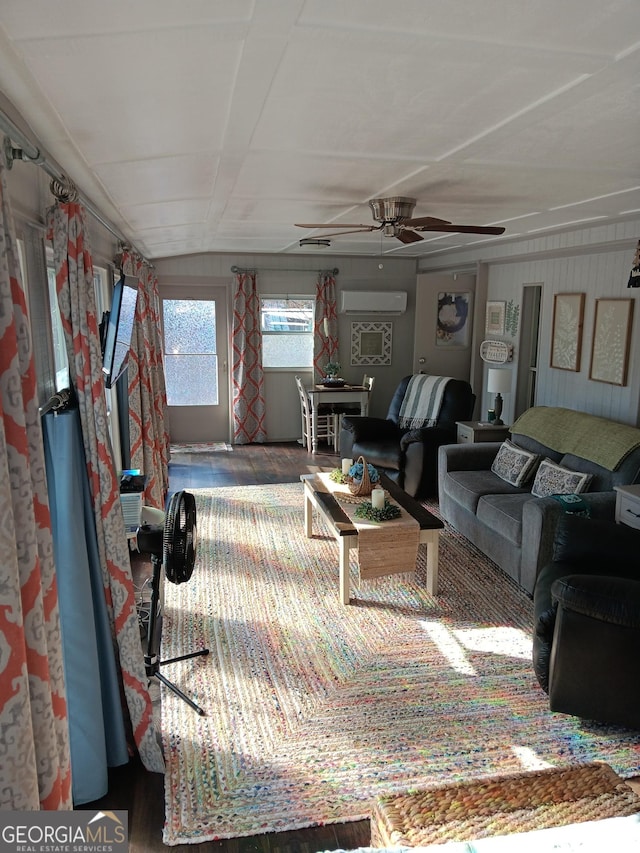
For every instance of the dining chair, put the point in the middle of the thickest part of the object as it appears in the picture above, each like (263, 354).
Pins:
(326, 423)
(341, 409)
(368, 382)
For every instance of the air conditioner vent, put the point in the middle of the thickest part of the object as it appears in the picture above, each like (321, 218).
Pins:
(373, 302)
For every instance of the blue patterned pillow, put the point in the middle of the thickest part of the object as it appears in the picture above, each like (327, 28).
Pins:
(513, 464)
(554, 479)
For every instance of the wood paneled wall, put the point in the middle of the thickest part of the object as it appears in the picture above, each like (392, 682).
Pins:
(597, 275)
(595, 260)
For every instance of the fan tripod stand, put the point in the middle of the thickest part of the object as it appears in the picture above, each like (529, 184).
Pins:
(152, 660)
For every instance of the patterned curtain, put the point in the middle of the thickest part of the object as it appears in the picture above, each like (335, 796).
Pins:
(35, 757)
(74, 285)
(325, 335)
(248, 375)
(149, 436)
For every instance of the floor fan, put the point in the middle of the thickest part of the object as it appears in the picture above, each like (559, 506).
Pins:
(172, 547)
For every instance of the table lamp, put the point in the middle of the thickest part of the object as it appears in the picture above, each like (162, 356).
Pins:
(498, 383)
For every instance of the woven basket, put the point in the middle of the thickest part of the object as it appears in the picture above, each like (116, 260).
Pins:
(362, 487)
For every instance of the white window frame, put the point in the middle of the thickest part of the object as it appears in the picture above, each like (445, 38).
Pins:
(288, 297)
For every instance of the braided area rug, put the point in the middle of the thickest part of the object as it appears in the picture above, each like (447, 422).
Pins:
(314, 709)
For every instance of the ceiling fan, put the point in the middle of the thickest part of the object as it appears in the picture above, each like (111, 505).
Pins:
(394, 218)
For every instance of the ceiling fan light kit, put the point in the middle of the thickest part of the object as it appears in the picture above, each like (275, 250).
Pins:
(394, 216)
(313, 241)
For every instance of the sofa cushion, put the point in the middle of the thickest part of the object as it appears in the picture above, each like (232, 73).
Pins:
(601, 479)
(554, 479)
(467, 487)
(503, 514)
(535, 446)
(514, 464)
(604, 480)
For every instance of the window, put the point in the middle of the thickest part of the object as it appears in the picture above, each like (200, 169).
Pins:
(287, 332)
(190, 344)
(60, 358)
(22, 260)
(34, 276)
(103, 287)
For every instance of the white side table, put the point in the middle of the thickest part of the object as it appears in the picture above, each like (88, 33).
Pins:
(628, 505)
(469, 432)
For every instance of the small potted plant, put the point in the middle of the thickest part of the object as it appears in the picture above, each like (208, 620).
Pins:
(331, 371)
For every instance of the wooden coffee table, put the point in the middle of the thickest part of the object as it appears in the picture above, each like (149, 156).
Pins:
(345, 533)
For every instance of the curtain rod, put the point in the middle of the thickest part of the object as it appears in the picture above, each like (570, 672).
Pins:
(234, 268)
(29, 153)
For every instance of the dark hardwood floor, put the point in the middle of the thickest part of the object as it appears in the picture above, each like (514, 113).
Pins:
(141, 793)
(246, 465)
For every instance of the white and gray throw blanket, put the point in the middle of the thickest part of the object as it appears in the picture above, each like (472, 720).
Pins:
(422, 401)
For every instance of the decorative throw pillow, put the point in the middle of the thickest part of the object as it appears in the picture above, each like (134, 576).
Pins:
(513, 464)
(554, 479)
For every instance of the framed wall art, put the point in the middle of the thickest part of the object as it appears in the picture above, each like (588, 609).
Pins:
(566, 331)
(611, 340)
(453, 326)
(494, 321)
(371, 343)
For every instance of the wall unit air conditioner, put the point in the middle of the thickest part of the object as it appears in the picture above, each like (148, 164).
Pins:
(373, 302)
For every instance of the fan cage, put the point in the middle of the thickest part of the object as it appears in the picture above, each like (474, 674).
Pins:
(180, 538)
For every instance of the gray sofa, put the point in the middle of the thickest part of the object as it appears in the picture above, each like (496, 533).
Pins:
(511, 526)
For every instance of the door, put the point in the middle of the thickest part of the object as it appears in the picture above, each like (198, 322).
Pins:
(528, 357)
(444, 324)
(195, 333)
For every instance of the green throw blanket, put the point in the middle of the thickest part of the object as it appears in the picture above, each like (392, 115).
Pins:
(597, 439)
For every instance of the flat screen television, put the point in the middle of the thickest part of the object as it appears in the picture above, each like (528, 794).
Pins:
(117, 327)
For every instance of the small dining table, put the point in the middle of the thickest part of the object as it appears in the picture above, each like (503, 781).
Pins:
(345, 394)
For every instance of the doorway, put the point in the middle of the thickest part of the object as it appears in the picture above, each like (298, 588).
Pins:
(528, 360)
(195, 336)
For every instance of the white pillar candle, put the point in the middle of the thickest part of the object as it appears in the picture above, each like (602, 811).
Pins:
(377, 498)
(346, 464)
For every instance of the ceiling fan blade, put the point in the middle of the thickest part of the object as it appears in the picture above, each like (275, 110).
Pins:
(425, 220)
(331, 225)
(465, 229)
(407, 236)
(354, 230)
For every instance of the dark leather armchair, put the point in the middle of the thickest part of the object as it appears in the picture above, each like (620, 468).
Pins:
(409, 457)
(586, 644)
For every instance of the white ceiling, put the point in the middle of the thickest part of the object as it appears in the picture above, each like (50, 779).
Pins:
(215, 125)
